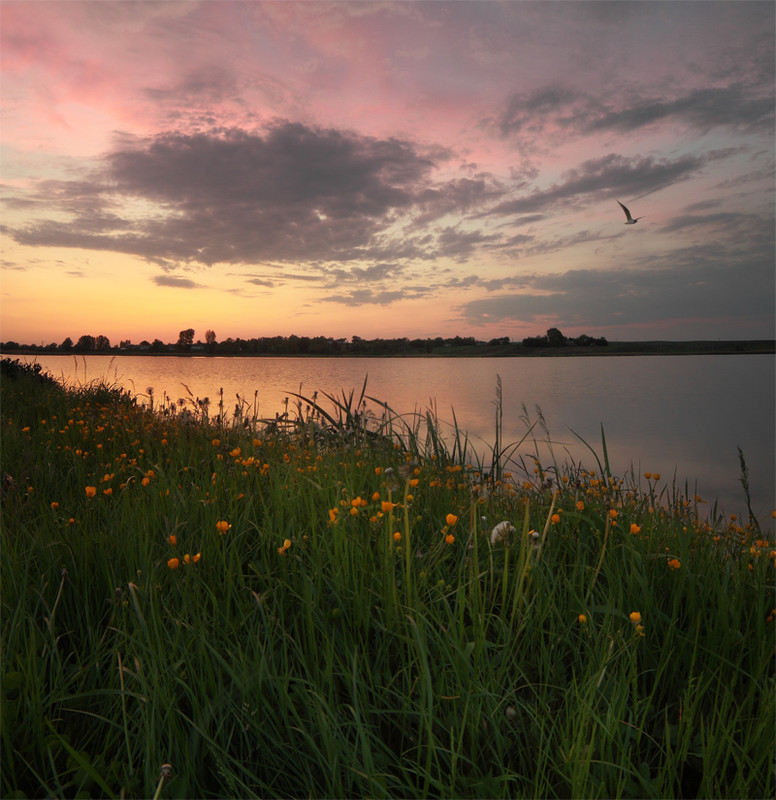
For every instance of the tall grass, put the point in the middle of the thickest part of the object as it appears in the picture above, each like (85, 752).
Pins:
(318, 605)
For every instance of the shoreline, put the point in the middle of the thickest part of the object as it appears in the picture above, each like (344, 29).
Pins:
(511, 350)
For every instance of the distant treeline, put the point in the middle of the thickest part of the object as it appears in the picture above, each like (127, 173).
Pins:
(298, 345)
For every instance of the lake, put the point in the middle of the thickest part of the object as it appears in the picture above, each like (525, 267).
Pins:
(681, 416)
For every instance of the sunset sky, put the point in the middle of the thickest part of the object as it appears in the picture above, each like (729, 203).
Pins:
(377, 169)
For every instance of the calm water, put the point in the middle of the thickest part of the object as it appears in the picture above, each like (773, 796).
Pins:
(681, 416)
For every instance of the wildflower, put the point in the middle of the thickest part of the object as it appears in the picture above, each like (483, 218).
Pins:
(613, 513)
(501, 531)
(376, 497)
(172, 539)
(580, 505)
(387, 506)
(648, 475)
(635, 617)
(555, 519)
(640, 630)
(235, 453)
(55, 505)
(333, 514)
(397, 536)
(145, 481)
(216, 442)
(286, 545)
(222, 526)
(449, 538)
(582, 619)
(634, 528)
(451, 519)
(91, 491)
(656, 476)
(173, 563)
(674, 563)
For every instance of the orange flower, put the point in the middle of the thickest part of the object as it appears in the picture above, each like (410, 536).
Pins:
(580, 505)
(172, 539)
(555, 519)
(582, 619)
(397, 536)
(634, 528)
(173, 563)
(91, 491)
(55, 505)
(635, 617)
(451, 519)
(674, 563)
(286, 545)
(449, 538)
(387, 506)
(222, 526)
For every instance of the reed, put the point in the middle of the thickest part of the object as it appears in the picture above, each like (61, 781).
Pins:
(325, 604)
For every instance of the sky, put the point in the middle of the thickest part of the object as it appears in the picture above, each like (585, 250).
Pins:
(386, 169)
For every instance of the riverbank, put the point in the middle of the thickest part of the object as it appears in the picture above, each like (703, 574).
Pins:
(325, 609)
(483, 349)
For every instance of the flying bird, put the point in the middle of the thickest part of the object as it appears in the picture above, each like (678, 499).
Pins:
(631, 220)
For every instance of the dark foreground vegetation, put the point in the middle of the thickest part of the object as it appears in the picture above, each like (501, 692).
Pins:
(335, 604)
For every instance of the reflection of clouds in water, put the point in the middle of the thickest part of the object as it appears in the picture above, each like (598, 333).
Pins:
(672, 414)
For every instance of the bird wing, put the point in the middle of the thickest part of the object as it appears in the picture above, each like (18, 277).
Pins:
(627, 213)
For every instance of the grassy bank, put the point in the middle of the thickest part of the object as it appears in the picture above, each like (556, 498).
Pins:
(322, 608)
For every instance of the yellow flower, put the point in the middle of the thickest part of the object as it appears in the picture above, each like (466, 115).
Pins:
(286, 545)
(674, 563)
(222, 526)
(635, 617)
(173, 563)
(91, 491)
(451, 519)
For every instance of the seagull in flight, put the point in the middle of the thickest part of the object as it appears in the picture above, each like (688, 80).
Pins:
(631, 220)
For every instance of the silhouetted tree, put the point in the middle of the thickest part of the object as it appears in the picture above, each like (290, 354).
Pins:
(186, 338)
(85, 344)
(67, 345)
(210, 337)
(555, 338)
(102, 343)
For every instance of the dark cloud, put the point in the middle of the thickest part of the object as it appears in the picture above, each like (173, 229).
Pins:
(611, 176)
(295, 193)
(575, 112)
(175, 282)
(691, 283)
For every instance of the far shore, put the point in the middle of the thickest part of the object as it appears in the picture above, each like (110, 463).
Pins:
(481, 350)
